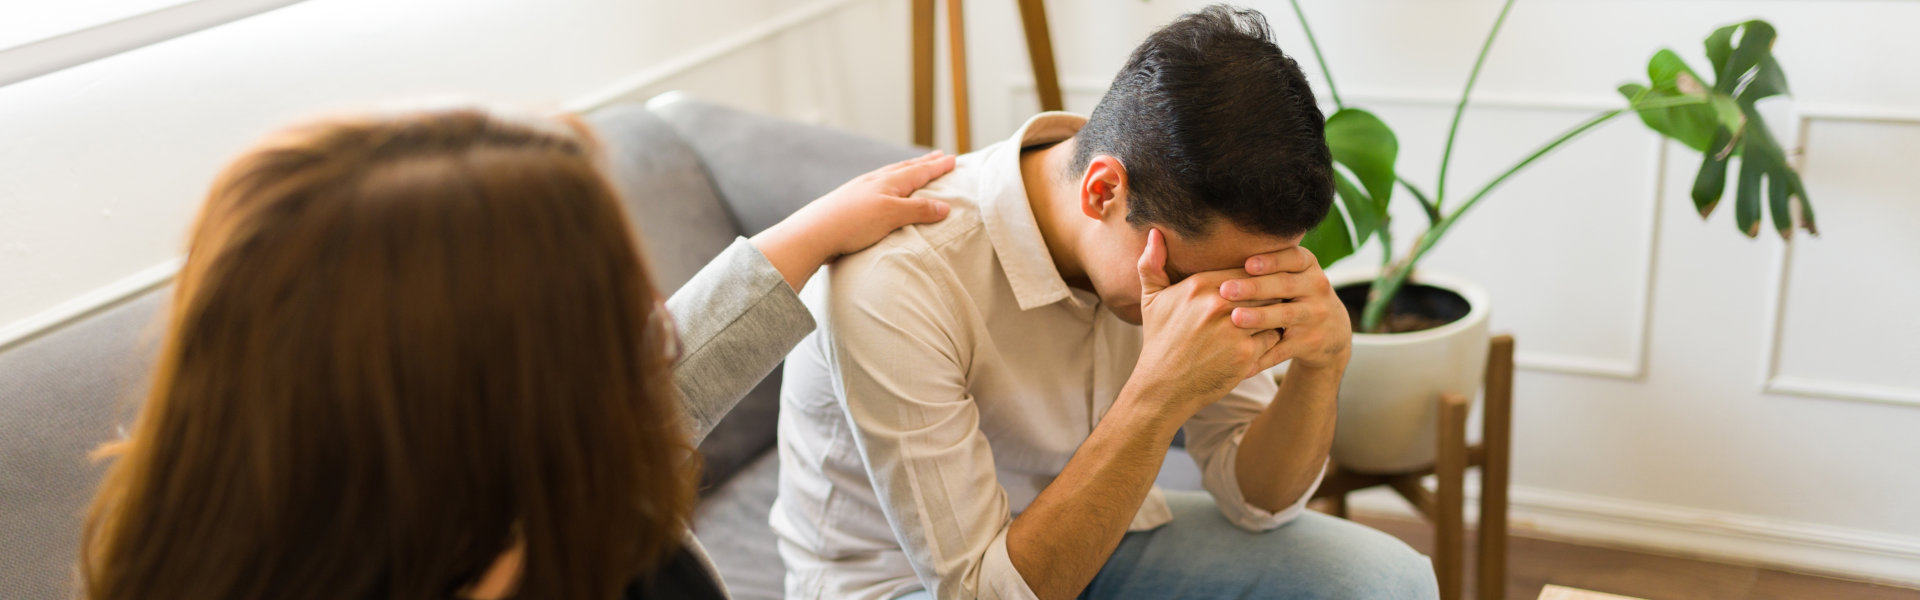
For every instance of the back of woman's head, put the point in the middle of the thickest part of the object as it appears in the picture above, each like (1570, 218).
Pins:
(398, 345)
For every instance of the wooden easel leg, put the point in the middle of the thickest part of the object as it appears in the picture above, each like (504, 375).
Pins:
(1497, 439)
(922, 14)
(1450, 467)
(1046, 80)
(957, 59)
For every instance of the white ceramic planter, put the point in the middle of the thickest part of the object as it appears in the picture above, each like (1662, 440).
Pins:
(1387, 401)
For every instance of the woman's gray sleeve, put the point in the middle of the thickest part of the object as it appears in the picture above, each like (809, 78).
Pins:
(737, 320)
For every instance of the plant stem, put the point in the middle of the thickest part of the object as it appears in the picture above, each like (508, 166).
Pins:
(1385, 233)
(1318, 56)
(1446, 156)
(1395, 274)
(1433, 212)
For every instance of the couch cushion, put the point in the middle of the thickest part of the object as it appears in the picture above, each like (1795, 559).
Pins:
(669, 198)
(732, 525)
(766, 168)
(61, 395)
(682, 225)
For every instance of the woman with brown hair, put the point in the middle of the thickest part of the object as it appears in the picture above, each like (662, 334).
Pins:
(420, 356)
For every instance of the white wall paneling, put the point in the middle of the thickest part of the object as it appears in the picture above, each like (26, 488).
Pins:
(1856, 288)
(1670, 408)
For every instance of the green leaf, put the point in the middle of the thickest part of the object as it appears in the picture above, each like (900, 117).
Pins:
(1360, 208)
(1686, 118)
(1711, 181)
(1756, 45)
(1329, 241)
(1779, 202)
(1746, 201)
(1367, 148)
(1768, 81)
(1806, 208)
(1719, 120)
(1719, 49)
(1365, 145)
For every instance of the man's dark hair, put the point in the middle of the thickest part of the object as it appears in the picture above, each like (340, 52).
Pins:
(1211, 119)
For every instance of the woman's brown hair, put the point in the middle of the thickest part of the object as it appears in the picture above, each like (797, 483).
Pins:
(399, 345)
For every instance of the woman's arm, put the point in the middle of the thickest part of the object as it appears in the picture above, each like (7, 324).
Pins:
(740, 314)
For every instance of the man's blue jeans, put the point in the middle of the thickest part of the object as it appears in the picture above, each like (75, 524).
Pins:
(1201, 555)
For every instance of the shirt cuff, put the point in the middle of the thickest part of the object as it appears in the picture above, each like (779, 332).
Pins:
(1223, 482)
(998, 579)
(737, 318)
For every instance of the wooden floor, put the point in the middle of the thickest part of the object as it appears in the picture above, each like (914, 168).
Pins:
(1534, 563)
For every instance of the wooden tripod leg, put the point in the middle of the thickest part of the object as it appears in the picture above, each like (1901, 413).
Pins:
(1497, 440)
(922, 13)
(1046, 80)
(957, 59)
(1450, 467)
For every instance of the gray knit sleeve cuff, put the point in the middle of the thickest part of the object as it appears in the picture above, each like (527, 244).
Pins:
(737, 320)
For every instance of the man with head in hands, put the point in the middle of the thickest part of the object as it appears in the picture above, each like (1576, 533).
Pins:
(988, 401)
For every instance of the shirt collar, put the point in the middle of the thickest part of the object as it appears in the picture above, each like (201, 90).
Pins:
(1008, 215)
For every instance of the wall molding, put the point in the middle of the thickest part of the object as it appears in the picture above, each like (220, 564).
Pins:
(104, 297)
(102, 40)
(88, 304)
(1690, 532)
(1772, 381)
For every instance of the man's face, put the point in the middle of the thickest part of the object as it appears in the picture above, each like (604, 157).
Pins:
(1113, 252)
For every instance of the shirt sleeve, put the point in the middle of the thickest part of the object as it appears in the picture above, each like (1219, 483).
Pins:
(1213, 439)
(736, 318)
(900, 355)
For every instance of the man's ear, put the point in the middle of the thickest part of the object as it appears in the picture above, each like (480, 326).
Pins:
(1103, 188)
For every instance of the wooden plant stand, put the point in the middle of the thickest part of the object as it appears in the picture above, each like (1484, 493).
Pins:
(1046, 80)
(1445, 505)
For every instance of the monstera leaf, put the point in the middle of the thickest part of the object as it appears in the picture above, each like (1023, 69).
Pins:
(1364, 149)
(1718, 119)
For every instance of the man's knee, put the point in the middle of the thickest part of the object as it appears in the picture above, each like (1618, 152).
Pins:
(1364, 563)
(1398, 571)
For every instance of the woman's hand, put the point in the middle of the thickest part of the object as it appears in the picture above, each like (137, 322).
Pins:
(854, 216)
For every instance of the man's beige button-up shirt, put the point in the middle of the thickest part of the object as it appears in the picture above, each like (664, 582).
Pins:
(953, 375)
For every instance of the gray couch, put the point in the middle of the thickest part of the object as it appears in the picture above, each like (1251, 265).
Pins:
(694, 174)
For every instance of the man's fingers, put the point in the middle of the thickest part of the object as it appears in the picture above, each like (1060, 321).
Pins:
(1272, 316)
(1291, 260)
(1153, 262)
(1276, 286)
(1276, 353)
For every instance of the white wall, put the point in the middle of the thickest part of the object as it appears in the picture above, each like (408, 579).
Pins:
(1682, 387)
(105, 163)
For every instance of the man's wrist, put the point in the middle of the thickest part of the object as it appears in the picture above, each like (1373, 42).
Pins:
(1151, 404)
(1334, 365)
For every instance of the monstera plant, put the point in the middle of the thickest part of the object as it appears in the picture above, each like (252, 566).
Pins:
(1421, 337)
(1716, 117)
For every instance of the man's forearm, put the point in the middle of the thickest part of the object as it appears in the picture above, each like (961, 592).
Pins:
(1286, 445)
(1060, 542)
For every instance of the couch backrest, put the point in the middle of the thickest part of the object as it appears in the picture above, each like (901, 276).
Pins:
(61, 395)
